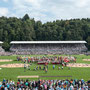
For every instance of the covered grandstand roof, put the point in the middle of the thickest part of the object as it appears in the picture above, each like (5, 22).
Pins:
(44, 42)
(1, 42)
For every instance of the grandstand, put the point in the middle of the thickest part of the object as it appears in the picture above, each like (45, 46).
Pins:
(1, 49)
(48, 47)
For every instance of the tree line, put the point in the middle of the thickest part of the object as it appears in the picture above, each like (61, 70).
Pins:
(27, 29)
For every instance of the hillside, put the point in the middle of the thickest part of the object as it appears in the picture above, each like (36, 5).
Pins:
(27, 29)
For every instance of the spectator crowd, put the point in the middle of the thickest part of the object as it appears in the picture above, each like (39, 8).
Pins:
(73, 84)
(48, 48)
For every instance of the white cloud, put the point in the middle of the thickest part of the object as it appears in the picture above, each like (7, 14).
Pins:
(48, 10)
(4, 11)
(36, 3)
(82, 3)
(32, 7)
(5, 0)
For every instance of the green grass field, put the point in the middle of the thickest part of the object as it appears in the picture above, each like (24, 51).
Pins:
(76, 73)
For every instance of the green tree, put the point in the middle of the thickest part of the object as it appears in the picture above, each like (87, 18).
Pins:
(88, 41)
(26, 17)
(6, 46)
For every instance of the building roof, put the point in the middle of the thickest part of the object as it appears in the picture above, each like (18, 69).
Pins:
(1, 42)
(44, 42)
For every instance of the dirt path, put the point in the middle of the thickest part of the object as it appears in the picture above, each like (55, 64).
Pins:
(28, 76)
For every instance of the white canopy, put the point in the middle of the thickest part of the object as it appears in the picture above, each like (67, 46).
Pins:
(44, 42)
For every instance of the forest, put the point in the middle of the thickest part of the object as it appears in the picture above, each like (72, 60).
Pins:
(27, 29)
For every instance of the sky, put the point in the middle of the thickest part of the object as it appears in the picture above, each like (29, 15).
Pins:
(46, 10)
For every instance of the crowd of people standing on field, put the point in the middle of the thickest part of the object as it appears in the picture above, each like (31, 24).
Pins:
(48, 59)
(30, 60)
(73, 84)
(44, 67)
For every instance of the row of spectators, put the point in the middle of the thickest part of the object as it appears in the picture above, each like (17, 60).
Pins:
(2, 52)
(45, 49)
(72, 84)
(6, 53)
(49, 49)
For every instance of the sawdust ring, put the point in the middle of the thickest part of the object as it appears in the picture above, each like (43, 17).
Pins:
(78, 65)
(5, 60)
(14, 65)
